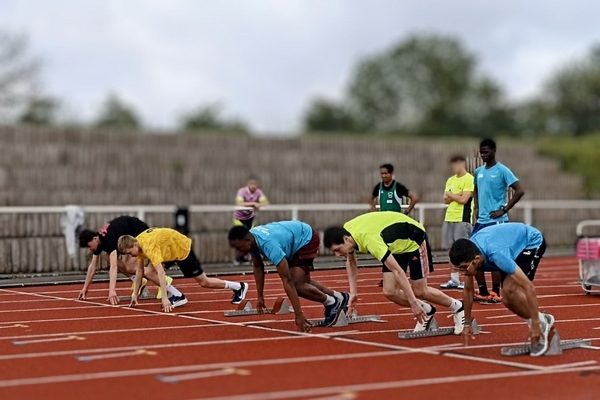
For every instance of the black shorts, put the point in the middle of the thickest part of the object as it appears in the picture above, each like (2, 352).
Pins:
(418, 263)
(528, 261)
(190, 267)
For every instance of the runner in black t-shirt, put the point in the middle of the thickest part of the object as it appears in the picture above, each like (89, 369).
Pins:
(105, 240)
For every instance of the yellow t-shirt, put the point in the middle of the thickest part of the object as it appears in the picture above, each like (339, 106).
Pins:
(386, 232)
(457, 212)
(161, 245)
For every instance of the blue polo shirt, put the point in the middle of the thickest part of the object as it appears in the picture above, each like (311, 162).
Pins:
(501, 244)
(279, 240)
(491, 185)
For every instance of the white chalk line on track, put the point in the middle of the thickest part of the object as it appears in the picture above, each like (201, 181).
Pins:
(202, 375)
(131, 353)
(355, 341)
(365, 387)
(48, 340)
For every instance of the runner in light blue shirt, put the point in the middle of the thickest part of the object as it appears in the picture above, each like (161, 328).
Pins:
(292, 247)
(503, 248)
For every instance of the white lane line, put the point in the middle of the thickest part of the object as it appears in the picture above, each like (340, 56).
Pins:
(573, 365)
(202, 375)
(303, 393)
(55, 339)
(338, 396)
(189, 368)
(16, 326)
(589, 347)
(164, 346)
(107, 331)
(28, 321)
(138, 352)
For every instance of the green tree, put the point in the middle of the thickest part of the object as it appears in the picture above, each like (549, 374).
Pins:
(427, 84)
(40, 111)
(19, 72)
(573, 96)
(117, 114)
(324, 115)
(210, 118)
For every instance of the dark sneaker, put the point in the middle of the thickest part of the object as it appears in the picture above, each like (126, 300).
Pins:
(426, 324)
(346, 300)
(333, 311)
(239, 295)
(178, 301)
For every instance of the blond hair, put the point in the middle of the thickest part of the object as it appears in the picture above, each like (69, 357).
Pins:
(125, 243)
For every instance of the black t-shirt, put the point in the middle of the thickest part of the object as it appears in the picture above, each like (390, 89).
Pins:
(111, 232)
(401, 190)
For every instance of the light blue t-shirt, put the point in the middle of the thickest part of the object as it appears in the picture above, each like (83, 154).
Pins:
(501, 244)
(491, 185)
(279, 240)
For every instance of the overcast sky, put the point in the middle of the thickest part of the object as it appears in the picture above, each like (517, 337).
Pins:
(265, 59)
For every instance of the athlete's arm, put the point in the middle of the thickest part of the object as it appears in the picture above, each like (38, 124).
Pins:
(462, 198)
(259, 277)
(475, 205)
(374, 197)
(89, 276)
(519, 193)
(283, 269)
(113, 260)
(413, 200)
(162, 279)
(352, 271)
(468, 293)
(137, 282)
(402, 280)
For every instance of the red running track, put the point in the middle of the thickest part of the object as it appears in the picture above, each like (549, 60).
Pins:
(55, 347)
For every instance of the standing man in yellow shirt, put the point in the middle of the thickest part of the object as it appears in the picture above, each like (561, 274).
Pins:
(458, 194)
(165, 247)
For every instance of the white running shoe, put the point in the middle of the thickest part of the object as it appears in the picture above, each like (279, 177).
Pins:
(426, 324)
(453, 285)
(459, 321)
(541, 347)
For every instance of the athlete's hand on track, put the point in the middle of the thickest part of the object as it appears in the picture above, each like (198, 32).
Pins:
(303, 324)
(134, 301)
(352, 303)
(82, 295)
(166, 306)
(260, 305)
(112, 297)
(418, 312)
(467, 334)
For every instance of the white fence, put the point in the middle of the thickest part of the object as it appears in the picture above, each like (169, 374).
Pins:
(31, 239)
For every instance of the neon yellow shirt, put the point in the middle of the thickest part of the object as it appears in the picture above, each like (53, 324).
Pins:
(161, 245)
(457, 212)
(386, 232)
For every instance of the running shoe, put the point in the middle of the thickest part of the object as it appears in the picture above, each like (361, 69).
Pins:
(333, 311)
(346, 300)
(459, 321)
(426, 324)
(453, 285)
(158, 292)
(143, 292)
(178, 301)
(240, 294)
(492, 298)
(541, 347)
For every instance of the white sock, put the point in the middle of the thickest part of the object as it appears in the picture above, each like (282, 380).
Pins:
(172, 290)
(455, 306)
(233, 285)
(426, 307)
(455, 277)
(338, 295)
(329, 300)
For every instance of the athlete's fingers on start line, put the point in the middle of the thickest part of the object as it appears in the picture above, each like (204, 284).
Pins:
(467, 335)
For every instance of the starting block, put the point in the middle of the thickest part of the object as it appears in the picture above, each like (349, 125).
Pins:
(435, 330)
(555, 347)
(281, 306)
(345, 320)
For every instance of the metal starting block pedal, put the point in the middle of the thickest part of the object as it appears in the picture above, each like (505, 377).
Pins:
(555, 347)
(281, 306)
(345, 320)
(435, 330)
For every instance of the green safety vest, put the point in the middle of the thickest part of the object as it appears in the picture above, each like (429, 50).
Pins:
(388, 199)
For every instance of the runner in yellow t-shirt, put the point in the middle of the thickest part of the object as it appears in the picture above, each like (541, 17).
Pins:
(458, 194)
(165, 247)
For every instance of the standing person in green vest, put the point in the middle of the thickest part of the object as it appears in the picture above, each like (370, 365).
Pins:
(388, 193)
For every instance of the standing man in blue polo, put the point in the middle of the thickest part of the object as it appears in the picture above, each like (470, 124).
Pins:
(492, 181)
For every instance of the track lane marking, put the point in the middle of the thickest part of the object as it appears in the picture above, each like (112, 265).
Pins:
(138, 352)
(202, 375)
(55, 339)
